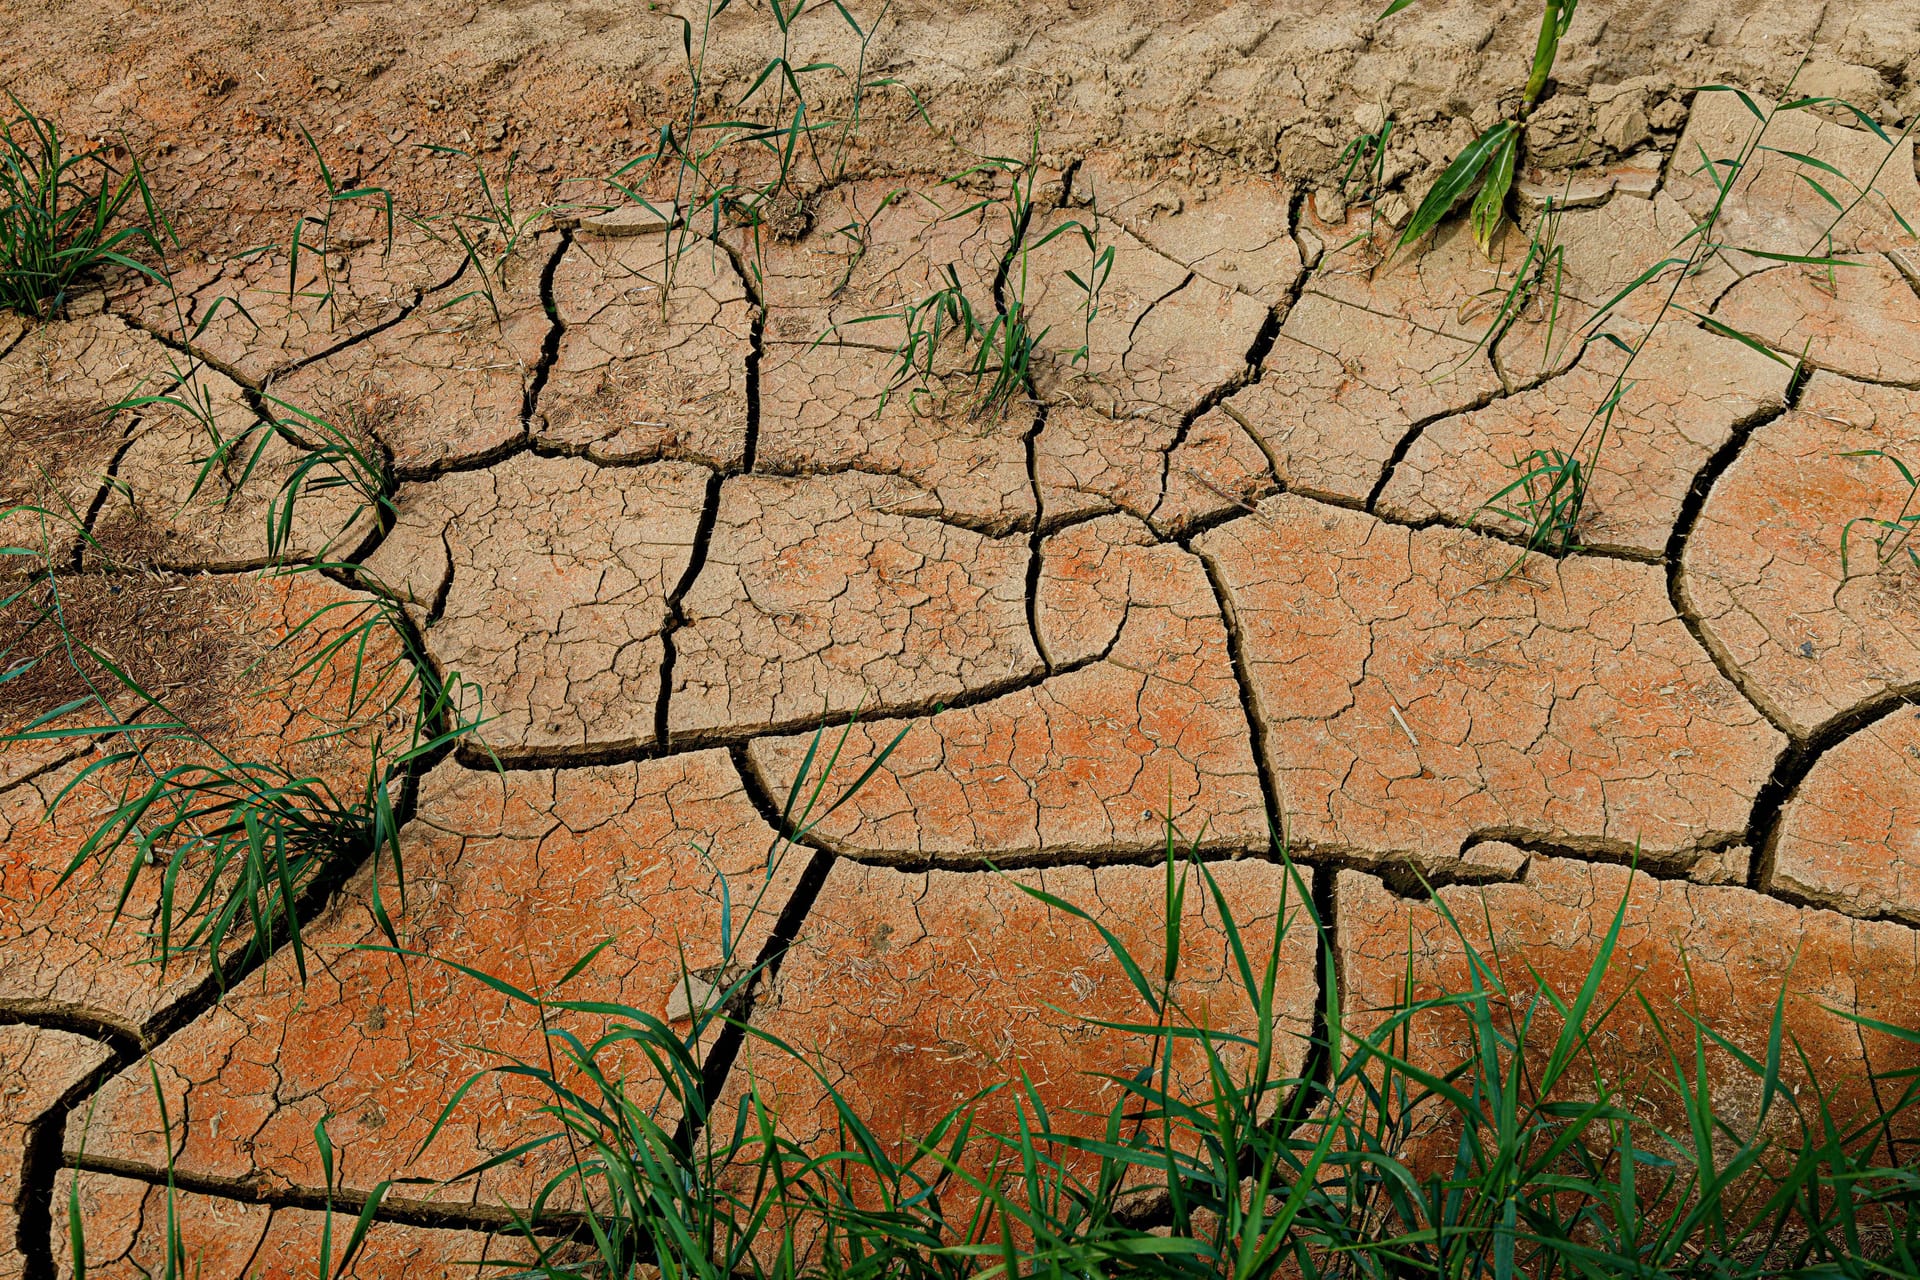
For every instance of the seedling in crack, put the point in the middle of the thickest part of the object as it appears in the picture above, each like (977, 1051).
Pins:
(997, 349)
(319, 232)
(703, 156)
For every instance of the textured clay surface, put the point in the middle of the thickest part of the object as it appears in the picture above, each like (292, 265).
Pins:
(1812, 634)
(838, 388)
(106, 427)
(820, 596)
(182, 500)
(1677, 403)
(652, 361)
(710, 514)
(126, 1237)
(261, 314)
(1849, 838)
(1413, 696)
(41, 1070)
(1140, 721)
(1344, 383)
(1773, 207)
(548, 581)
(1121, 376)
(59, 385)
(1237, 236)
(1861, 320)
(520, 875)
(447, 384)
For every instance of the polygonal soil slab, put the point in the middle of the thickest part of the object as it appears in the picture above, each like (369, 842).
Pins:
(1773, 206)
(1809, 637)
(823, 595)
(913, 991)
(1861, 320)
(1141, 715)
(840, 406)
(1720, 952)
(518, 876)
(652, 361)
(40, 1071)
(1422, 687)
(1344, 384)
(1235, 233)
(224, 657)
(249, 317)
(1444, 285)
(1381, 341)
(1216, 469)
(125, 1226)
(1677, 404)
(555, 575)
(1162, 339)
(1850, 833)
(447, 384)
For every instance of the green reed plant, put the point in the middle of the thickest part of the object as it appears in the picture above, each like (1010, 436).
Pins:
(321, 233)
(489, 235)
(235, 842)
(65, 216)
(1363, 162)
(1485, 169)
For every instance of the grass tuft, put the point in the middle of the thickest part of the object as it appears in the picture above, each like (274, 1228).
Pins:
(65, 216)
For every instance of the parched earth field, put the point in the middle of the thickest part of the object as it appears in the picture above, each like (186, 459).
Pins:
(1243, 553)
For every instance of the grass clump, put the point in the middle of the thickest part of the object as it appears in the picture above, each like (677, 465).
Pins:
(1520, 1156)
(236, 831)
(64, 215)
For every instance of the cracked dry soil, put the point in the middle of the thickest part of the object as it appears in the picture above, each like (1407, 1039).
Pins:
(1225, 563)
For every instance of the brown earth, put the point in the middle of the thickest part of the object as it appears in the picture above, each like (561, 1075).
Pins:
(1233, 557)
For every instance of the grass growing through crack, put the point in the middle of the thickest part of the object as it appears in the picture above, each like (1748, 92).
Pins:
(992, 350)
(1549, 495)
(65, 216)
(233, 841)
(703, 175)
(489, 236)
(1518, 1156)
